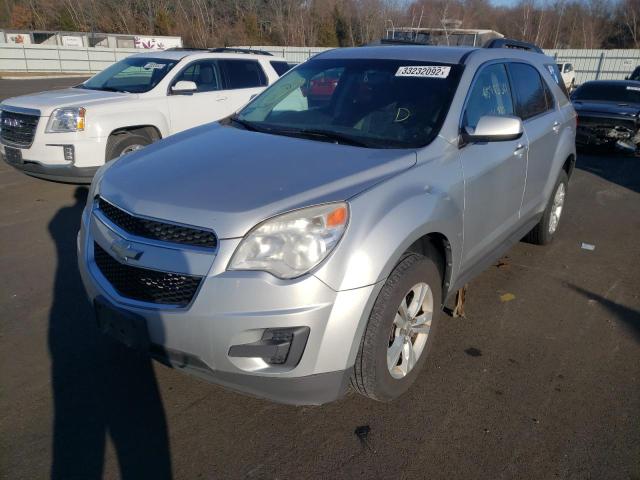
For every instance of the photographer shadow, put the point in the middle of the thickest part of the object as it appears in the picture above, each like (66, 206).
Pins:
(100, 389)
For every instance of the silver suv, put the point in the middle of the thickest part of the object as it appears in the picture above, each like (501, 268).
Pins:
(309, 242)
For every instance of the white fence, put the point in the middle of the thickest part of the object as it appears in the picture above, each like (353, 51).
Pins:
(52, 58)
(599, 64)
(291, 54)
(588, 64)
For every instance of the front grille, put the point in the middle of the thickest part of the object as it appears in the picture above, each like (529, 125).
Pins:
(156, 230)
(18, 128)
(144, 284)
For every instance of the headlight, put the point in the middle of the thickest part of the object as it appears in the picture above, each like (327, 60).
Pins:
(66, 120)
(291, 244)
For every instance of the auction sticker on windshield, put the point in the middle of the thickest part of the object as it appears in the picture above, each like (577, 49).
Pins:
(431, 71)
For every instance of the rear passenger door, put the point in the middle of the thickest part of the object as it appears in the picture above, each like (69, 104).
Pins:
(243, 79)
(537, 107)
(494, 172)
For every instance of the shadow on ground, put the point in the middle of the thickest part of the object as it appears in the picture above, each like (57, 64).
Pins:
(101, 390)
(627, 316)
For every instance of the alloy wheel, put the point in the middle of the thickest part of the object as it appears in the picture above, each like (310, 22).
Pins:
(410, 330)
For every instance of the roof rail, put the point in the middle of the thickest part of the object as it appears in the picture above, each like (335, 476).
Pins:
(185, 49)
(396, 41)
(510, 43)
(239, 50)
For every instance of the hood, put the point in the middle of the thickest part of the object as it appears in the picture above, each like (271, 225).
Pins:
(605, 109)
(48, 101)
(229, 179)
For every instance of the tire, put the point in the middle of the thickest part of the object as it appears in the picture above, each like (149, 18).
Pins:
(124, 143)
(372, 377)
(542, 234)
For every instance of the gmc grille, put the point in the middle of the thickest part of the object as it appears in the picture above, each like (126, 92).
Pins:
(156, 230)
(18, 129)
(146, 285)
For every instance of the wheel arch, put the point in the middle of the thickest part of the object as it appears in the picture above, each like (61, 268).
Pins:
(569, 165)
(150, 131)
(437, 244)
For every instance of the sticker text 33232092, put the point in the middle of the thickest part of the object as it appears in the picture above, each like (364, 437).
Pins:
(428, 71)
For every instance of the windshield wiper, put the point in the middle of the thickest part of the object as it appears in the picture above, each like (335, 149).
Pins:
(111, 89)
(245, 124)
(335, 137)
(103, 89)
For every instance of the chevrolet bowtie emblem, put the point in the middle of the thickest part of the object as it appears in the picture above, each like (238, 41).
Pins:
(125, 251)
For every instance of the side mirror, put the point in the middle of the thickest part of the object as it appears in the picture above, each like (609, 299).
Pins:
(184, 87)
(494, 129)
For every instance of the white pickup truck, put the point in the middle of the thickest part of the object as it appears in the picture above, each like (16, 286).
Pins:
(66, 135)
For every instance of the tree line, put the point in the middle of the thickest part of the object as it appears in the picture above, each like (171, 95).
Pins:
(329, 23)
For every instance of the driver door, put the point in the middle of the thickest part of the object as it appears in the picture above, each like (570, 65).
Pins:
(494, 172)
(191, 109)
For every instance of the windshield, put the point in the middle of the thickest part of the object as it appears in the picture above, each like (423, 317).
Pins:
(608, 93)
(370, 103)
(133, 75)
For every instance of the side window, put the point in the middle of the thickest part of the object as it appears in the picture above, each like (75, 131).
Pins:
(529, 90)
(568, 68)
(243, 74)
(205, 74)
(490, 95)
(281, 67)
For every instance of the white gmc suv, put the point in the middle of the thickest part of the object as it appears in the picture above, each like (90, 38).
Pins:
(66, 135)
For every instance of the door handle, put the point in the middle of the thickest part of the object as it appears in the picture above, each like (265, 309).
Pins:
(520, 149)
(221, 99)
(556, 127)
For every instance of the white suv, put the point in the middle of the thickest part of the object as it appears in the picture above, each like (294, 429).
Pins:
(65, 135)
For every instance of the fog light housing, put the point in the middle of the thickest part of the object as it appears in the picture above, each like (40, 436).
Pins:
(278, 346)
(69, 153)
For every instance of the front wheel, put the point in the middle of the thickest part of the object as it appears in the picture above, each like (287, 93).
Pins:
(125, 143)
(544, 232)
(400, 330)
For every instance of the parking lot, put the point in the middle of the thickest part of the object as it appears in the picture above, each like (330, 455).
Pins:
(540, 380)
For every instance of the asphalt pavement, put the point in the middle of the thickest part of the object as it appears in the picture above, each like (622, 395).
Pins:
(541, 380)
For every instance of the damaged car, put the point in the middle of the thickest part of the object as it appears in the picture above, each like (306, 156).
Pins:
(608, 115)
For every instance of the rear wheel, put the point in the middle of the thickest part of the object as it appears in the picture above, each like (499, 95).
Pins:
(544, 232)
(124, 143)
(400, 329)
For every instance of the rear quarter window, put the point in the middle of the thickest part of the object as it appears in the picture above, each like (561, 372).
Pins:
(554, 73)
(281, 67)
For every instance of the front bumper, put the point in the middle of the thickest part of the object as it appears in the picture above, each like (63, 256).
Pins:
(57, 173)
(44, 158)
(598, 132)
(236, 308)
